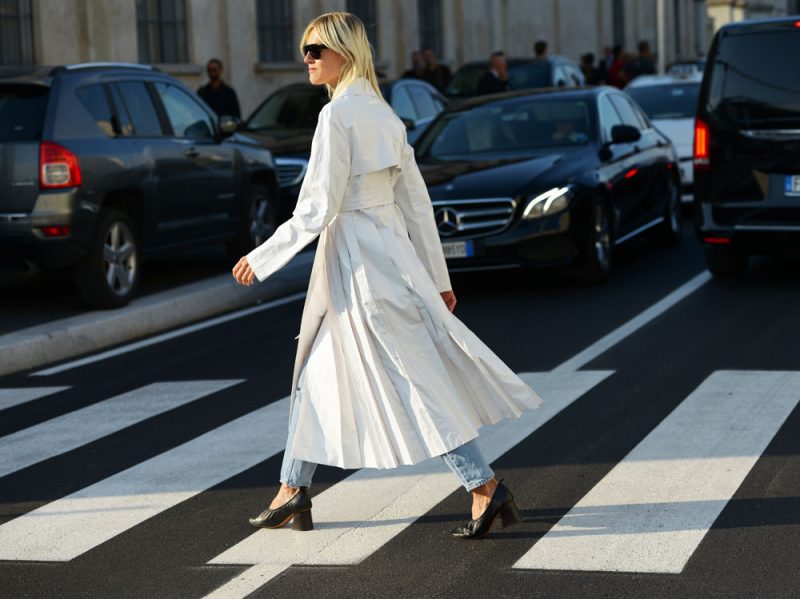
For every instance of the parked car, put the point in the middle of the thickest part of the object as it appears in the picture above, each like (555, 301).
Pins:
(549, 178)
(747, 145)
(106, 164)
(671, 103)
(285, 122)
(523, 73)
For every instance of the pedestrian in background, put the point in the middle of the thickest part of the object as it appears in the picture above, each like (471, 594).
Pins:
(616, 72)
(438, 75)
(417, 70)
(604, 64)
(495, 80)
(385, 374)
(644, 63)
(590, 72)
(540, 50)
(219, 96)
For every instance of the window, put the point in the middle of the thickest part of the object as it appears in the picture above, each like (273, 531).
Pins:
(161, 29)
(618, 24)
(124, 125)
(136, 101)
(16, 32)
(608, 117)
(187, 117)
(629, 117)
(401, 102)
(423, 101)
(365, 10)
(430, 25)
(94, 99)
(22, 109)
(275, 31)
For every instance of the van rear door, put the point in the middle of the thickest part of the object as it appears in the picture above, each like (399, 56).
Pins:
(22, 113)
(751, 105)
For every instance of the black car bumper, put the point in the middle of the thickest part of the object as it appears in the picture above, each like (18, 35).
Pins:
(22, 237)
(548, 242)
(765, 229)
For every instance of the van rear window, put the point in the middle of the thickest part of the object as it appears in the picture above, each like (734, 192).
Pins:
(22, 109)
(753, 83)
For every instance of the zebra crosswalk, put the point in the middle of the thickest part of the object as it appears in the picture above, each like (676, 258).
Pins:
(647, 515)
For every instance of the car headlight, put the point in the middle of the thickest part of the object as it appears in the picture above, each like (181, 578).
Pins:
(547, 203)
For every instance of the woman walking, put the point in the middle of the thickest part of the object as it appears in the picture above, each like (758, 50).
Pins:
(385, 374)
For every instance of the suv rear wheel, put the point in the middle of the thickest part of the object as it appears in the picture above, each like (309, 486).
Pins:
(724, 261)
(258, 223)
(670, 230)
(109, 275)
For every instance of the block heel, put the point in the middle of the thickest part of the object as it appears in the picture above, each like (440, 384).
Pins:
(303, 521)
(510, 515)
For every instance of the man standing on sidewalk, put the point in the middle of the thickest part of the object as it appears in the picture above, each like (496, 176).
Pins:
(219, 96)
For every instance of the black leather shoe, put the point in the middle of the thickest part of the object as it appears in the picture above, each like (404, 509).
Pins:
(297, 509)
(502, 504)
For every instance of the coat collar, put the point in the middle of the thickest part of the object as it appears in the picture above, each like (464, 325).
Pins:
(358, 87)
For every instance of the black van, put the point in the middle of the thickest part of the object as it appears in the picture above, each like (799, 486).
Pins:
(747, 145)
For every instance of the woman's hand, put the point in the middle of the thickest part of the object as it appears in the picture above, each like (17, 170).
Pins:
(450, 299)
(242, 272)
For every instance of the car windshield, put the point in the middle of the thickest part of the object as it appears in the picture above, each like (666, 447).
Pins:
(294, 108)
(508, 129)
(528, 75)
(751, 85)
(678, 101)
(22, 110)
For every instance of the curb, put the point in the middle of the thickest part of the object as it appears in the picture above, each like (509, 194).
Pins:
(70, 337)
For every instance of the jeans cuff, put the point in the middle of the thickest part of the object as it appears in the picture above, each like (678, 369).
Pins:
(472, 486)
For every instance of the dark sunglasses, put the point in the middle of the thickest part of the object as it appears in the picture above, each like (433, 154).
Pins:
(314, 49)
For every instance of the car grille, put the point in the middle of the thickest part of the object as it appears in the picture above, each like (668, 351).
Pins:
(290, 170)
(470, 218)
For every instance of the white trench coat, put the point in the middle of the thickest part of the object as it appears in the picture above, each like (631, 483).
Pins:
(390, 375)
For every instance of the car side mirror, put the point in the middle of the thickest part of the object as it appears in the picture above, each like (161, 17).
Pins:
(229, 124)
(625, 134)
(410, 125)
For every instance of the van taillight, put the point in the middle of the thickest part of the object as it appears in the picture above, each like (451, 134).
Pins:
(58, 167)
(700, 145)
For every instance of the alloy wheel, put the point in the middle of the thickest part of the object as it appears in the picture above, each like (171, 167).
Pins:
(602, 237)
(261, 224)
(120, 261)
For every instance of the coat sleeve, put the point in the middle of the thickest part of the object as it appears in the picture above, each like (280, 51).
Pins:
(319, 201)
(415, 203)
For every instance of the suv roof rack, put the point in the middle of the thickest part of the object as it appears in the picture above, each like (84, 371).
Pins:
(106, 65)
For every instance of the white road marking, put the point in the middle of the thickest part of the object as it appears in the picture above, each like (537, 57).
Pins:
(167, 336)
(652, 510)
(605, 343)
(16, 396)
(68, 527)
(347, 531)
(64, 433)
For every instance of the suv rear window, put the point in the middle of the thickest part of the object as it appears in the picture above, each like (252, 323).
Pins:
(292, 108)
(752, 86)
(22, 109)
(677, 101)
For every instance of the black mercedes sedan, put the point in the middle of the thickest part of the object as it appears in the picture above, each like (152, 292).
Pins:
(549, 178)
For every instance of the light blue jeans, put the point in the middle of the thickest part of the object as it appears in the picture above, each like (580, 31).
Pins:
(466, 462)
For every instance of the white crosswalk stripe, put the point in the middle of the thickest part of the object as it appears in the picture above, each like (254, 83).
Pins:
(11, 397)
(347, 532)
(652, 510)
(64, 433)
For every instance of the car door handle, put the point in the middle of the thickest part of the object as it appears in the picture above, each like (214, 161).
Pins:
(191, 153)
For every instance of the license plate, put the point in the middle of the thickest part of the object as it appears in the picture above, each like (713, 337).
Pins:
(791, 187)
(458, 249)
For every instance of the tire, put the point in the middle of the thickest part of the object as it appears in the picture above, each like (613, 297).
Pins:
(259, 221)
(598, 251)
(109, 275)
(669, 232)
(725, 261)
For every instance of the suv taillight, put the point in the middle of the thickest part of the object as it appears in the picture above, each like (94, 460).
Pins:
(701, 143)
(58, 167)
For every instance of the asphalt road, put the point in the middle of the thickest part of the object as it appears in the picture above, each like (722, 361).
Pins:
(663, 463)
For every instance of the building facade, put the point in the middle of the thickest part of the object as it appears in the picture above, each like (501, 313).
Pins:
(722, 12)
(257, 39)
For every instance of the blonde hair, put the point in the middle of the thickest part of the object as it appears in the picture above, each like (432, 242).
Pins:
(344, 33)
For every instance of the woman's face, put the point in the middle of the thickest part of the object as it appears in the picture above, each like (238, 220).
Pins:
(326, 68)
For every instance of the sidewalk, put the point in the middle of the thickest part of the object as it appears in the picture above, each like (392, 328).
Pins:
(70, 337)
